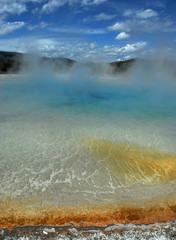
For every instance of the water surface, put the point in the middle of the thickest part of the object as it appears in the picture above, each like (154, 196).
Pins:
(45, 119)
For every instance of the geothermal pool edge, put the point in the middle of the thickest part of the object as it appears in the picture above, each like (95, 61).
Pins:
(109, 231)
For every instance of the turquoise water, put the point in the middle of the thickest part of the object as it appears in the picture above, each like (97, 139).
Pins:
(44, 115)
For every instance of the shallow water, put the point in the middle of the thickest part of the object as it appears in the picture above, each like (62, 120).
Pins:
(44, 120)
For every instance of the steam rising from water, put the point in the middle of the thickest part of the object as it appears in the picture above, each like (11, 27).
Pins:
(44, 114)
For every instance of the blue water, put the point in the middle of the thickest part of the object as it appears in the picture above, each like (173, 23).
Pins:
(44, 115)
(114, 97)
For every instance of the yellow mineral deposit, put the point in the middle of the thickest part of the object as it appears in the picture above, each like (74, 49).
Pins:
(131, 164)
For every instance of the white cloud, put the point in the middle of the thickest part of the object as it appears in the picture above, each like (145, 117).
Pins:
(103, 16)
(9, 44)
(93, 45)
(37, 1)
(128, 12)
(52, 5)
(148, 13)
(98, 1)
(80, 51)
(144, 25)
(8, 27)
(126, 50)
(12, 7)
(40, 25)
(122, 36)
(135, 47)
(119, 26)
(149, 25)
(127, 57)
(77, 30)
(92, 2)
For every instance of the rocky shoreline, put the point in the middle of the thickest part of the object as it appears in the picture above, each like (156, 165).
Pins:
(111, 231)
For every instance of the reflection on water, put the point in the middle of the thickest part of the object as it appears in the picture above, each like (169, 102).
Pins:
(93, 143)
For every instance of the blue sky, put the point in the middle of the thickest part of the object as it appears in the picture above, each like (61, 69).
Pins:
(108, 30)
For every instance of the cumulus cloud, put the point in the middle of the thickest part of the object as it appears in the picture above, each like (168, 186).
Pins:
(9, 7)
(119, 26)
(129, 48)
(127, 51)
(103, 16)
(144, 25)
(52, 5)
(148, 13)
(12, 7)
(8, 27)
(122, 36)
(80, 51)
(93, 45)
(128, 12)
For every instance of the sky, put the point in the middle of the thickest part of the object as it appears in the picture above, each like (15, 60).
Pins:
(89, 30)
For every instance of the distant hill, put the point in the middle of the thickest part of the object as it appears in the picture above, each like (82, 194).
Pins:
(121, 66)
(12, 62)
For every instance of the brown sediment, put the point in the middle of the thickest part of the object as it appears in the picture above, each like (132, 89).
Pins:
(132, 164)
(14, 213)
(129, 165)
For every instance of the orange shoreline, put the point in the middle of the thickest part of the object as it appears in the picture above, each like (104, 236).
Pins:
(13, 213)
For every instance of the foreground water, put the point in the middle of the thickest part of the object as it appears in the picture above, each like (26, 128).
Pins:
(86, 140)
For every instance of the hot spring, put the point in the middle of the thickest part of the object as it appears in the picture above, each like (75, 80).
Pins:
(80, 142)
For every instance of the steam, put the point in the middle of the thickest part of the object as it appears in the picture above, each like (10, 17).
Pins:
(50, 106)
(143, 86)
